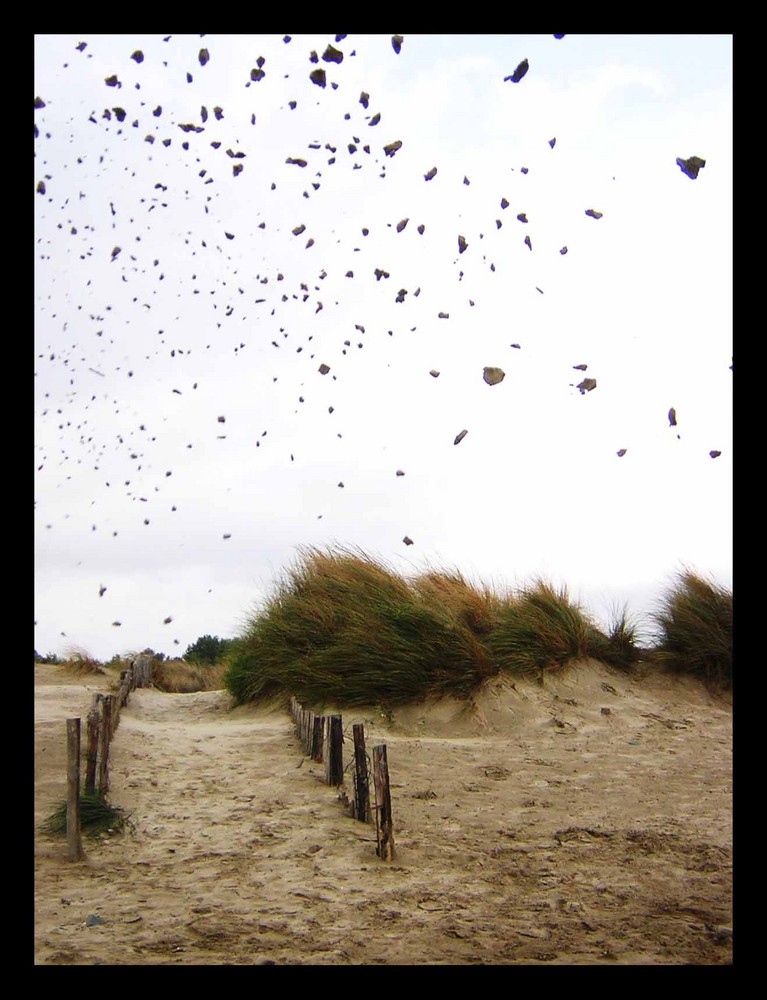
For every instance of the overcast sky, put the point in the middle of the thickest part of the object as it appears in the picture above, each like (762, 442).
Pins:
(235, 354)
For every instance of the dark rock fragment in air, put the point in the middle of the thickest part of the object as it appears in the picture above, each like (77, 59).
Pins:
(462, 244)
(672, 417)
(432, 173)
(396, 43)
(493, 375)
(392, 147)
(587, 385)
(519, 72)
(138, 56)
(318, 76)
(592, 212)
(332, 54)
(690, 166)
(407, 540)
(203, 56)
(460, 436)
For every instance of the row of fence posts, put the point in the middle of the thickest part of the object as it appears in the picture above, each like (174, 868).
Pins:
(322, 737)
(101, 724)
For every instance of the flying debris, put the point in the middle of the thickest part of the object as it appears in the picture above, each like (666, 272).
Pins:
(39, 102)
(392, 147)
(528, 243)
(580, 368)
(563, 251)
(672, 417)
(407, 540)
(332, 55)
(559, 36)
(396, 43)
(460, 437)
(364, 99)
(587, 385)
(401, 225)
(715, 454)
(117, 624)
(522, 217)
(519, 72)
(298, 230)
(552, 142)
(621, 453)
(432, 173)
(115, 252)
(226, 536)
(41, 187)
(434, 373)
(592, 212)
(690, 166)
(296, 161)
(399, 472)
(318, 76)
(168, 620)
(493, 375)
(203, 56)
(102, 590)
(462, 244)
(375, 119)
(324, 369)
(112, 81)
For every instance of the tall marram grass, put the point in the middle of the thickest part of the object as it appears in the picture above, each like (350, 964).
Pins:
(695, 625)
(344, 628)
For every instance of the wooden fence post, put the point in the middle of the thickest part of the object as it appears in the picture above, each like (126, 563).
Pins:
(361, 779)
(106, 727)
(92, 736)
(334, 759)
(74, 841)
(385, 848)
(317, 738)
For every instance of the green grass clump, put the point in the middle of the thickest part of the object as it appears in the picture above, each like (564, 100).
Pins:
(695, 626)
(343, 628)
(96, 816)
(542, 629)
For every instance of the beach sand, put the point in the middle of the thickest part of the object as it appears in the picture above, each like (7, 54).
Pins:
(587, 821)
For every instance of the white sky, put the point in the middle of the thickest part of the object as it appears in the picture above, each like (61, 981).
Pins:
(136, 358)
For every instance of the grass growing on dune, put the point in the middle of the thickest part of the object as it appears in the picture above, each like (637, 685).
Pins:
(695, 624)
(343, 628)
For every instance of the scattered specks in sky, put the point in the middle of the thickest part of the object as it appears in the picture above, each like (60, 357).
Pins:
(173, 285)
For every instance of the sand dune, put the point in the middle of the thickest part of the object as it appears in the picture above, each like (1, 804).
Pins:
(586, 821)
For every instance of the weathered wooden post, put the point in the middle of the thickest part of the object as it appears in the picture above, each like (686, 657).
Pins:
(317, 737)
(361, 779)
(334, 756)
(384, 836)
(114, 713)
(106, 732)
(74, 841)
(92, 736)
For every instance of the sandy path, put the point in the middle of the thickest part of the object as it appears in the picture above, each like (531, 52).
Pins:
(532, 827)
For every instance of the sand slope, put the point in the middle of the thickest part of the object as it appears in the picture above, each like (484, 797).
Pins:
(587, 821)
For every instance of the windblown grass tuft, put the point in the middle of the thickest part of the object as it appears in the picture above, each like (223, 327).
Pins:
(346, 629)
(695, 623)
(97, 816)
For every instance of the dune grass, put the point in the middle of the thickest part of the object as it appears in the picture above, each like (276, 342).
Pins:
(96, 816)
(695, 626)
(344, 628)
(180, 677)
